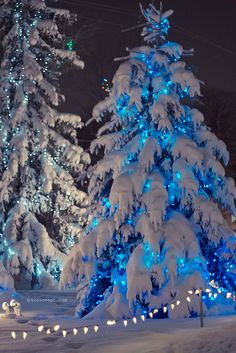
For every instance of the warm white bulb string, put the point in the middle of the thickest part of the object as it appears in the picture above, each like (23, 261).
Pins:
(58, 329)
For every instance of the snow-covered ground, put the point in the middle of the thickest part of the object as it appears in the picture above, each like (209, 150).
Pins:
(49, 308)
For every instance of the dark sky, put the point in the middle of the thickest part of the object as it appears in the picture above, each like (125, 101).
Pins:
(208, 26)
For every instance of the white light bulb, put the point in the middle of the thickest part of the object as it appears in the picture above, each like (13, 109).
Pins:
(85, 330)
(155, 311)
(178, 302)
(142, 317)
(188, 299)
(150, 315)
(24, 335)
(134, 320)
(125, 322)
(13, 335)
(40, 328)
(75, 331)
(111, 322)
(96, 328)
(165, 309)
(172, 306)
(64, 333)
(48, 331)
(56, 327)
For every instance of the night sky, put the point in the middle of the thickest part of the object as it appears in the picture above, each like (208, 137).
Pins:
(208, 26)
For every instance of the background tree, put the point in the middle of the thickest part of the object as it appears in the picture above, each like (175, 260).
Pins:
(41, 207)
(219, 108)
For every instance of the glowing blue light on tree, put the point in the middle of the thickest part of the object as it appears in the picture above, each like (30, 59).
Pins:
(145, 93)
(38, 270)
(85, 258)
(178, 175)
(181, 262)
(148, 263)
(146, 247)
(122, 103)
(95, 222)
(70, 240)
(147, 185)
(106, 203)
(143, 140)
(141, 125)
(10, 252)
(173, 224)
(197, 260)
(123, 282)
(165, 26)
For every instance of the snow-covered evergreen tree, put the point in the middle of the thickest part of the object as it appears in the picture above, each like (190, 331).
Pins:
(157, 230)
(6, 280)
(41, 208)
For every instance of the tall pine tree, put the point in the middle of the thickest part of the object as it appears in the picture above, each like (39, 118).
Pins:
(41, 207)
(157, 231)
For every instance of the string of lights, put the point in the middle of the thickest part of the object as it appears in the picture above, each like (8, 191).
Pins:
(106, 87)
(210, 293)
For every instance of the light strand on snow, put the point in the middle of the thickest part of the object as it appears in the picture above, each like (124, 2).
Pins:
(133, 319)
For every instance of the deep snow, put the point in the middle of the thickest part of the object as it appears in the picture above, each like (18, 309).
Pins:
(152, 336)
